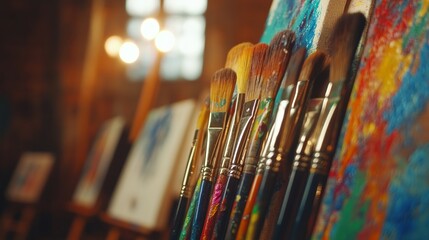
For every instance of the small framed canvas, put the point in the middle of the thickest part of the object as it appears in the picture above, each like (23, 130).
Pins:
(30, 177)
(97, 164)
(143, 196)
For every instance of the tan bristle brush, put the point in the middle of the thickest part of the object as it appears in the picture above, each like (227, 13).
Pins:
(246, 119)
(282, 147)
(221, 89)
(239, 59)
(275, 64)
(186, 190)
(345, 39)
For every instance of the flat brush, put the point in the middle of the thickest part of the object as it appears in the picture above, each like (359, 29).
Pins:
(279, 53)
(186, 191)
(239, 58)
(221, 88)
(247, 116)
(344, 41)
(279, 152)
(280, 108)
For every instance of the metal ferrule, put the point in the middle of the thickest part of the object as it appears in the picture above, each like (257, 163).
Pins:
(328, 127)
(305, 146)
(321, 163)
(207, 173)
(289, 126)
(214, 133)
(246, 121)
(271, 143)
(257, 137)
(232, 132)
(185, 191)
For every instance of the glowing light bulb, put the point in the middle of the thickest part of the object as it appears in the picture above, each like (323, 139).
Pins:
(129, 52)
(112, 45)
(149, 28)
(165, 41)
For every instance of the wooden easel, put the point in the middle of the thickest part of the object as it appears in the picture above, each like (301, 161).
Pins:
(80, 219)
(82, 214)
(16, 221)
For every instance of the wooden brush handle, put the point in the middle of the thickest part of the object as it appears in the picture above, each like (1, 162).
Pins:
(291, 202)
(245, 219)
(309, 206)
(225, 208)
(214, 206)
(239, 205)
(186, 228)
(179, 217)
(201, 209)
(260, 208)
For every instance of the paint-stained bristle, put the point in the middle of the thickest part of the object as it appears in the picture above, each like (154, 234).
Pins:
(254, 85)
(312, 66)
(239, 59)
(344, 41)
(203, 115)
(294, 68)
(279, 51)
(276, 61)
(221, 89)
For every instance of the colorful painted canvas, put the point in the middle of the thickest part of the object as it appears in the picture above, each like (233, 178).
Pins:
(379, 183)
(142, 196)
(30, 177)
(98, 162)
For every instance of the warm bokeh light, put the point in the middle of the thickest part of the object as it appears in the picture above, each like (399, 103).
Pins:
(149, 28)
(129, 52)
(165, 41)
(112, 45)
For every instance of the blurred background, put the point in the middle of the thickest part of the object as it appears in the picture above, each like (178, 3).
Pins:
(66, 66)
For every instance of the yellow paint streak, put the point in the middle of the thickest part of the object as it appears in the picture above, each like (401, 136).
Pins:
(392, 67)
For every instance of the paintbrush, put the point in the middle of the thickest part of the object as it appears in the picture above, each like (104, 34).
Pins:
(239, 58)
(246, 119)
(344, 41)
(186, 190)
(279, 153)
(221, 88)
(309, 122)
(289, 79)
(279, 53)
(281, 105)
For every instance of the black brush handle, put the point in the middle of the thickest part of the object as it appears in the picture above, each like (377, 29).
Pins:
(179, 217)
(239, 204)
(225, 208)
(309, 207)
(291, 202)
(201, 209)
(260, 208)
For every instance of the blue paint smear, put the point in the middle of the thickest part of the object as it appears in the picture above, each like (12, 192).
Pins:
(407, 215)
(299, 16)
(410, 100)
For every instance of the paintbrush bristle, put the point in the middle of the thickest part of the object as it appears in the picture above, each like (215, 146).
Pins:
(221, 89)
(294, 67)
(276, 61)
(319, 86)
(254, 85)
(344, 41)
(204, 113)
(239, 59)
(312, 66)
